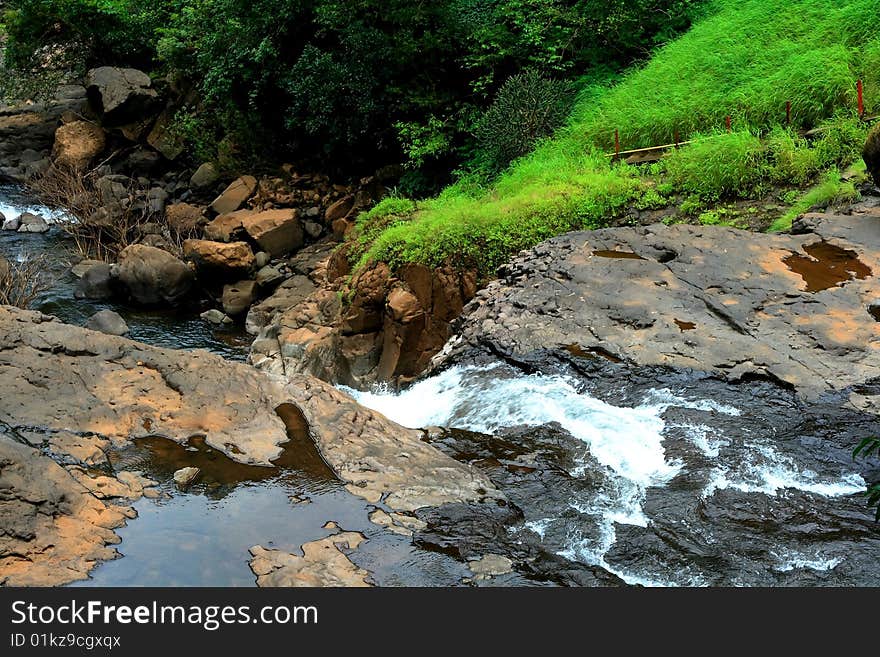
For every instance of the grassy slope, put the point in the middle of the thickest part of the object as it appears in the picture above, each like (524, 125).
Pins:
(745, 59)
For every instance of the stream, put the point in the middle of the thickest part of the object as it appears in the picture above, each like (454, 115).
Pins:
(662, 483)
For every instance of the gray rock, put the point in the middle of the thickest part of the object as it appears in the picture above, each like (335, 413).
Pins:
(262, 259)
(153, 276)
(205, 176)
(268, 276)
(313, 229)
(113, 187)
(238, 297)
(32, 223)
(107, 321)
(235, 195)
(96, 283)
(156, 200)
(185, 477)
(216, 317)
(123, 95)
(80, 268)
(10, 224)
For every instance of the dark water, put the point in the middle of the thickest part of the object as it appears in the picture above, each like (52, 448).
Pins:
(177, 329)
(827, 266)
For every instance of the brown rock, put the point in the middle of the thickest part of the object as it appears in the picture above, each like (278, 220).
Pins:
(278, 232)
(235, 195)
(224, 227)
(403, 305)
(339, 210)
(322, 564)
(229, 257)
(184, 218)
(77, 144)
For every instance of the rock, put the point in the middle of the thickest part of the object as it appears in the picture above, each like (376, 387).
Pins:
(80, 268)
(13, 223)
(65, 379)
(156, 199)
(226, 227)
(153, 276)
(403, 305)
(801, 320)
(183, 218)
(164, 140)
(313, 229)
(235, 195)
(95, 283)
(261, 259)
(185, 477)
(77, 144)
(227, 258)
(113, 187)
(339, 210)
(238, 297)
(216, 317)
(278, 232)
(32, 223)
(871, 153)
(490, 565)
(322, 564)
(52, 530)
(123, 95)
(140, 162)
(107, 321)
(204, 177)
(268, 276)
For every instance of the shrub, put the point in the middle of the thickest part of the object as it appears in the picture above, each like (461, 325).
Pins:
(22, 282)
(527, 108)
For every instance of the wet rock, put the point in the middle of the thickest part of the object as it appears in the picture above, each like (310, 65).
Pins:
(122, 95)
(52, 530)
(77, 144)
(216, 317)
(13, 223)
(153, 276)
(490, 565)
(80, 268)
(228, 259)
(235, 195)
(323, 563)
(238, 297)
(205, 176)
(96, 283)
(185, 477)
(32, 223)
(107, 321)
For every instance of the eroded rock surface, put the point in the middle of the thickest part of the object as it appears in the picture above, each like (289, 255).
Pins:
(790, 308)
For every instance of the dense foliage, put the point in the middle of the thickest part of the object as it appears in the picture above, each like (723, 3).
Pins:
(363, 78)
(744, 58)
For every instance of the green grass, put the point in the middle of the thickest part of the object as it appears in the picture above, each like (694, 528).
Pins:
(831, 190)
(746, 58)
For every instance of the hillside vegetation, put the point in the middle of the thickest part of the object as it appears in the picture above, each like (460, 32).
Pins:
(744, 59)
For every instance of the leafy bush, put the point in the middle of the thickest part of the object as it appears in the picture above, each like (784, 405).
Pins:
(528, 107)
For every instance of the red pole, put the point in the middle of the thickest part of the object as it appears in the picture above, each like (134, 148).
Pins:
(616, 144)
(728, 122)
(861, 90)
(788, 112)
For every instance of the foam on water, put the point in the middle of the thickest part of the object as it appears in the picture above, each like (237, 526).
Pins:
(626, 441)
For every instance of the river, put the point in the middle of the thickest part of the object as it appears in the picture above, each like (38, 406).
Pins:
(661, 484)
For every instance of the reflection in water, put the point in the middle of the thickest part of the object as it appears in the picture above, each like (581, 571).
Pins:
(827, 266)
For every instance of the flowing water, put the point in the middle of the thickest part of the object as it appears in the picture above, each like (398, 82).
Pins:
(660, 464)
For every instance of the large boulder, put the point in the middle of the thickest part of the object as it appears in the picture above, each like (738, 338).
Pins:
(96, 282)
(871, 153)
(278, 232)
(233, 257)
(235, 195)
(122, 95)
(153, 276)
(78, 143)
